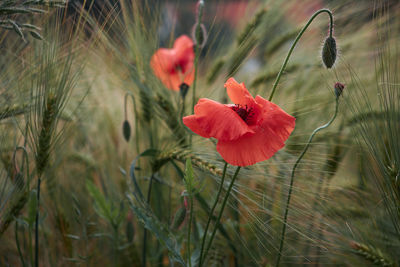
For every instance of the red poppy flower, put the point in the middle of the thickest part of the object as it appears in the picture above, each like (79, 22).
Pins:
(249, 131)
(175, 66)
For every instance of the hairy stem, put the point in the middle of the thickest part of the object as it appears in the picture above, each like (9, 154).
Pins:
(190, 226)
(145, 230)
(18, 245)
(212, 213)
(278, 77)
(221, 212)
(292, 177)
(37, 225)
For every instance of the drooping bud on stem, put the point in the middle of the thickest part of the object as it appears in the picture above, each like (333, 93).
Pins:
(183, 89)
(126, 126)
(126, 130)
(338, 88)
(329, 52)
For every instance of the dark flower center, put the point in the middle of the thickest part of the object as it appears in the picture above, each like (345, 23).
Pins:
(246, 113)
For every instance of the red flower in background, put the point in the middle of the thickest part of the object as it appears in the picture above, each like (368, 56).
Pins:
(175, 66)
(249, 131)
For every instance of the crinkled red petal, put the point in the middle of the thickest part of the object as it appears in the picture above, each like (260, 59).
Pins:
(238, 93)
(270, 135)
(219, 121)
(192, 124)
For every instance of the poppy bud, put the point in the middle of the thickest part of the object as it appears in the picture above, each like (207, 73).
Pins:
(339, 89)
(329, 52)
(184, 199)
(179, 218)
(126, 130)
(183, 89)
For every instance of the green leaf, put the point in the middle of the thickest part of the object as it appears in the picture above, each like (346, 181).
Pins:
(36, 35)
(147, 153)
(150, 222)
(206, 208)
(102, 207)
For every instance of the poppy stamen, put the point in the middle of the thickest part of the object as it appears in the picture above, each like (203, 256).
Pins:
(244, 112)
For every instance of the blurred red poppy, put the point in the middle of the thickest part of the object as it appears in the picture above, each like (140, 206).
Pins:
(249, 131)
(175, 66)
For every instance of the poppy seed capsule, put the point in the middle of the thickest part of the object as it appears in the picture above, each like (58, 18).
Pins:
(183, 89)
(179, 218)
(126, 130)
(329, 52)
(339, 89)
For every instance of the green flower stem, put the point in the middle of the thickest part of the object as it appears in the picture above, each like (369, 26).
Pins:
(145, 230)
(221, 211)
(278, 77)
(212, 213)
(182, 109)
(18, 245)
(190, 226)
(292, 177)
(196, 61)
(197, 55)
(37, 224)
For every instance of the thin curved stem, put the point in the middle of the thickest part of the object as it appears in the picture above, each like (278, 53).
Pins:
(221, 211)
(212, 213)
(278, 77)
(145, 230)
(18, 246)
(197, 55)
(190, 226)
(196, 60)
(37, 225)
(292, 177)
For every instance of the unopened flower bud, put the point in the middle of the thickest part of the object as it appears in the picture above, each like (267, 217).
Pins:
(329, 52)
(184, 199)
(339, 89)
(126, 130)
(183, 89)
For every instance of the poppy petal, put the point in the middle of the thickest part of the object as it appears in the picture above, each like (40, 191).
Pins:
(163, 65)
(189, 76)
(183, 45)
(192, 124)
(183, 48)
(220, 121)
(238, 93)
(269, 137)
(163, 61)
(175, 66)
